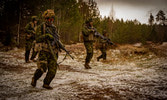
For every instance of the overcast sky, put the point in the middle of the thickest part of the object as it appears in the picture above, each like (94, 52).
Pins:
(132, 9)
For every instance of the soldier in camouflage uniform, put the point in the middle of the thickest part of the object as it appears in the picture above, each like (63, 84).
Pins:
(47, 60)
(103, 47)
(30, 36)
(88, 37)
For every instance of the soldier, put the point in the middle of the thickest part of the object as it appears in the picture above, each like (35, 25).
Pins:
(30, 36)
(103, 47)
(88, 37)
(46, 60)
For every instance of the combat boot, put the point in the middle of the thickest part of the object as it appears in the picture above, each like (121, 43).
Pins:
(34, 60)
(87, 66)
(33, 82)
(47, 87)
(27, 61)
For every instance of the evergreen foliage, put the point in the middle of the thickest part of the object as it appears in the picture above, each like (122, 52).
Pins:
(70, 17)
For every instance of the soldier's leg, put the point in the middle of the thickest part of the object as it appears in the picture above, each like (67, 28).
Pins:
(34, 54)
(27, 56)
(89, 57)
(89, 50)
(42, 67)
(104, 55)
(103, 50)
(27, 50)
(101, 56)
(52, 69)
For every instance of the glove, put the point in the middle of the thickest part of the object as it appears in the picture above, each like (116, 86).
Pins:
(49, 37)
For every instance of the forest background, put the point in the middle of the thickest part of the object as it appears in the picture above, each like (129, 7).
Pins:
(71, 16)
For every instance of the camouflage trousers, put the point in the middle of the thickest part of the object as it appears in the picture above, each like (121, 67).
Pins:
(103, 54)
(28, 49)
(89, 51)
(46, 62)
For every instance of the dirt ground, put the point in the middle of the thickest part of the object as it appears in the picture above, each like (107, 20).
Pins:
(131, 72)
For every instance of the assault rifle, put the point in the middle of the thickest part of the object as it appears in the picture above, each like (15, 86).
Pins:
(97, 34)
(56, 41)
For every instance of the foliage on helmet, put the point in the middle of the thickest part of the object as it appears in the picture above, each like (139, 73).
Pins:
(89, 20)
(34, 18)
(48, 13)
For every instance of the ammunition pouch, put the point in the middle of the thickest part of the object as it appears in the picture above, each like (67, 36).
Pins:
(45, 47)
(91, 37)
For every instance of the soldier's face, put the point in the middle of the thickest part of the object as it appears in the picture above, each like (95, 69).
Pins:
(104, 34)
(35, 22)
(91, 23)
(50, 20)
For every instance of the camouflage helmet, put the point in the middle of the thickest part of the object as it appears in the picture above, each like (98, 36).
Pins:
(34, 18)
(89, 20)
(48, 14)
(104, 31)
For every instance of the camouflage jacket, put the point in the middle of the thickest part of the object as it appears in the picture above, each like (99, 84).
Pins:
(103, 43)
(43, 37)
(30, 31)
(88, 34)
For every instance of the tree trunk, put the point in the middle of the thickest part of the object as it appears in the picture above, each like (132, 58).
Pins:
(18, 31)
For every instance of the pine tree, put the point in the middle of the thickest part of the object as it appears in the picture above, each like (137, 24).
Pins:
(160, 17)
(151, 19)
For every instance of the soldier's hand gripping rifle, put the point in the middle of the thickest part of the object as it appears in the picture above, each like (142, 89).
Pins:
(57, 42)
(97, 34)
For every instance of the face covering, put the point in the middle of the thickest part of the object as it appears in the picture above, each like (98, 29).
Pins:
(50, 20)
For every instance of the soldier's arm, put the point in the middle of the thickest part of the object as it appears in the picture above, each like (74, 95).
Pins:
(86, 31)
(28, 29)
(42, 37)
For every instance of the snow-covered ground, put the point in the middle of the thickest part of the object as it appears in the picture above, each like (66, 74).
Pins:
(124, 76)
